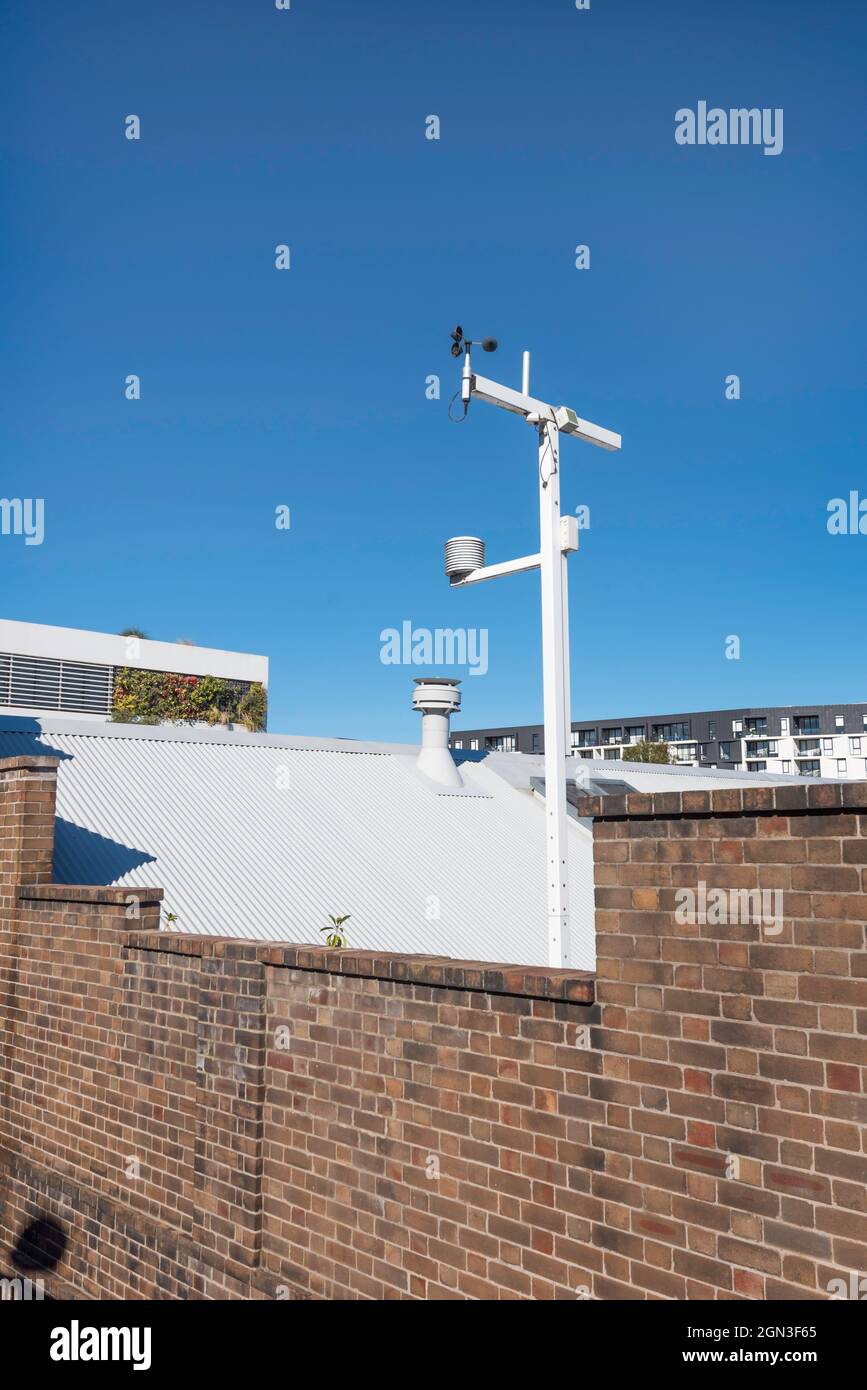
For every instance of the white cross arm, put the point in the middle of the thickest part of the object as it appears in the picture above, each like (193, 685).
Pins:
(569, 540)
(566, 420)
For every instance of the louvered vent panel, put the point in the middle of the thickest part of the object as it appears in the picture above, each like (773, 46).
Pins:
(42, 683)
(86, 687)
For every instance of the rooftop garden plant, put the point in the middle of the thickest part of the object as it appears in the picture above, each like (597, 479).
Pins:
(163, 697)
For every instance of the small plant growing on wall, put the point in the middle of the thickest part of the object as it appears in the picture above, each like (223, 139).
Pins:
(336, 932)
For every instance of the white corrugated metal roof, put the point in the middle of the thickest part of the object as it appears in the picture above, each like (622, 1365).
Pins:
(258, 836)
(262, 836)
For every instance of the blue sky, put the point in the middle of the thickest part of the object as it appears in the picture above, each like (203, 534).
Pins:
(306, 387)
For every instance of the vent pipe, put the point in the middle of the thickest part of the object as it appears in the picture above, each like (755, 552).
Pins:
(436, 697)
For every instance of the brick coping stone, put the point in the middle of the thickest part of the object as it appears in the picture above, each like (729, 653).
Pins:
(88, 893)
(439, 972)
(727, 801)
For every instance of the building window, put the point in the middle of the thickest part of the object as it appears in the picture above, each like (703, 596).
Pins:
(839, 722)
(501, 743)
(685, 753)
(612, 735)
(806, 723)
(854, 745)
(459, 743)
(711, 730)
(784, 728)
(536, 742)
(725, 752)
(474, 745)
(787, 766)
(809, 767)
(762, 748)
(635, 733)
(586, 738)
(806, 747)
(670, 733)
(707, 750)
(757, 766)
(828, 746)
(841, 767)
(611, 753)
(758, 725)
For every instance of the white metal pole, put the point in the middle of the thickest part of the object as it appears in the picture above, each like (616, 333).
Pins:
(551, 568)
(567, 677)
(525, 374)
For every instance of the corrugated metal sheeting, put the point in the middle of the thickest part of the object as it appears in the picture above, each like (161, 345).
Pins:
(263, 838)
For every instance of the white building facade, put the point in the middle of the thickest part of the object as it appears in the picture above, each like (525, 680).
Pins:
(71, 671)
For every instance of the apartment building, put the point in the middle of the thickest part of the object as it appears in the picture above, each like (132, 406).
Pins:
(70, 671)
(803, 740)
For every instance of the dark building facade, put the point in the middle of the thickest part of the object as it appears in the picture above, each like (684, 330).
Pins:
(804, 740)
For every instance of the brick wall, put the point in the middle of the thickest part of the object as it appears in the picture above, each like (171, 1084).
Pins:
(207, 1117)
(735, 1052)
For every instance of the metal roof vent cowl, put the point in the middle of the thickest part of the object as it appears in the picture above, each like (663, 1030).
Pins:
(437, 697)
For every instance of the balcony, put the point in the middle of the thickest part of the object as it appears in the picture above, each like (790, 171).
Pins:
(584, 738)
(685, 753)
(762, 748)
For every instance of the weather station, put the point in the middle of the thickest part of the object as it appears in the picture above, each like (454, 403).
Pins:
(465, 563)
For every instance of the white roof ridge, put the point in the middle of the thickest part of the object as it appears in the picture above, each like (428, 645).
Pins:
(210, 735)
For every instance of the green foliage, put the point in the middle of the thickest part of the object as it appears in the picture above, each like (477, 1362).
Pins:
(253, 707)
(646, 752)
(133, 632)
(163, 697)
(335, 937)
